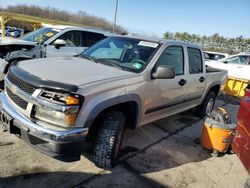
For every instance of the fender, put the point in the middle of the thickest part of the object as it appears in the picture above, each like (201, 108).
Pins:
(112, 102)
(217, 83)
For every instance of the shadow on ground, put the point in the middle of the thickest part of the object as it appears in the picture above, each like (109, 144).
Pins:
(71, 179)
(162, 145)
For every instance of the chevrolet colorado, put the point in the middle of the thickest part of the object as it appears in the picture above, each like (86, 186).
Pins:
(57, 105)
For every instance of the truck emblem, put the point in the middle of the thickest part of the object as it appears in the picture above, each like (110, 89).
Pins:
(13, 89)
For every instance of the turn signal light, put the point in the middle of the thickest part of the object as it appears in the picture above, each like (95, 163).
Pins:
(70, 119)
(72, 100)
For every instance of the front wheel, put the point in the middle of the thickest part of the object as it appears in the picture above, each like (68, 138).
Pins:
(109, 140)
(207, 105)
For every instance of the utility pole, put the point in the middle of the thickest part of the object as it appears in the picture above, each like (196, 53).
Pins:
(116, 7)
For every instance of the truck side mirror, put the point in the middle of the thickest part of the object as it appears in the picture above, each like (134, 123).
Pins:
(59, 43)
(163, 72)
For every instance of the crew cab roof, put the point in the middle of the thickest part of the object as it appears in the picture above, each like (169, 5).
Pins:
(161, 41)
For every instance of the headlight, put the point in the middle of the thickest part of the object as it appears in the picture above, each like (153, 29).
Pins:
(50, 113)
(60, 98)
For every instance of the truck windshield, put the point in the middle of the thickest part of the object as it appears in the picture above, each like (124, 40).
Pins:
(124, 53)
(40, 35)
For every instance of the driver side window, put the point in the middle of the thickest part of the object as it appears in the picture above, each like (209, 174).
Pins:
(173, 56)
(72, 38)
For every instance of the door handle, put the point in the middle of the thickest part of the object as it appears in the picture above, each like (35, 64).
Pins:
(182, 82)
(202, 79)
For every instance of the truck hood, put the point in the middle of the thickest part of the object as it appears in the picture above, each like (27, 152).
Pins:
(12, 41)
(71, 70)
(10, 45)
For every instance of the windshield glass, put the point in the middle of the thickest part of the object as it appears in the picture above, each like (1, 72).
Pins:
(125, 53)
(40, 35)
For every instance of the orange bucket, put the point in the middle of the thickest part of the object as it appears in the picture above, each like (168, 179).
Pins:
(217, 131)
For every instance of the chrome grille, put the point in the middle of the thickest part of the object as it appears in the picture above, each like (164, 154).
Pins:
(16, 99)
(24, 86)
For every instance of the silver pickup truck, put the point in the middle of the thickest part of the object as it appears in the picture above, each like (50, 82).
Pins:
(121, 82)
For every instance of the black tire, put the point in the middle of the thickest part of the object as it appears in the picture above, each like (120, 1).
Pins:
(2, 85)
(201, 110)
(109, 140)
(247, 184)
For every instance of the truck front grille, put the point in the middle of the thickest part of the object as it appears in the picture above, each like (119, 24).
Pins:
(21, 84)
(16, 99)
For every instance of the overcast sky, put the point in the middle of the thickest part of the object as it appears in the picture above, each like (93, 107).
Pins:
(229, 18)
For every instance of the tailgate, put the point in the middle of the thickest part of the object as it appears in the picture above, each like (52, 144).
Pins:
(241, 141)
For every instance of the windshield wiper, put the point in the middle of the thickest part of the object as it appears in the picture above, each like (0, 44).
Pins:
(107, 62)
(86, 57)
(101, 60)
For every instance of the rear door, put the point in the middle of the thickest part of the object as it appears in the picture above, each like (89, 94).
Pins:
(196, 76)
(241, 141)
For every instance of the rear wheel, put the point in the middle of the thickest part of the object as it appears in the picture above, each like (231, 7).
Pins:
(109, 140)
(207, 105)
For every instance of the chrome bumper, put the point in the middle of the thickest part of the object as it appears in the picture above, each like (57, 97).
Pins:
(65, 145)
(65, 135)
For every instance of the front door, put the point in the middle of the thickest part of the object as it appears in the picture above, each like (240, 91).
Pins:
(166, 96)
(73, 41)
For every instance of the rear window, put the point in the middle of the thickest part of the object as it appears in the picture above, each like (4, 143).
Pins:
(195, 61)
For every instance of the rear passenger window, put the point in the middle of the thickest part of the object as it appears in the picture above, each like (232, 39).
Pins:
(195, 61)
(90, 38)
(173, 56)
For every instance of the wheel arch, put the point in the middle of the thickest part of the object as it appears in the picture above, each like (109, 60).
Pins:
(215, 87)
(129, 104)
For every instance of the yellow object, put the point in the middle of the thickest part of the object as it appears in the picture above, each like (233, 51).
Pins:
(214, 138)
(35, 22)
(70, 119)
(217, 131)
(72, 100)
(235, 86)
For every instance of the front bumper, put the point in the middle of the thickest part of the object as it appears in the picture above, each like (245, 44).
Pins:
(3, 65)
(63, 145)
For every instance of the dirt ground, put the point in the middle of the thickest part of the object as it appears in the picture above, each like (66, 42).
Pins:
(162, 154)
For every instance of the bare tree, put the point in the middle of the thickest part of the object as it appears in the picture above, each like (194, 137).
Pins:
(80, 17)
